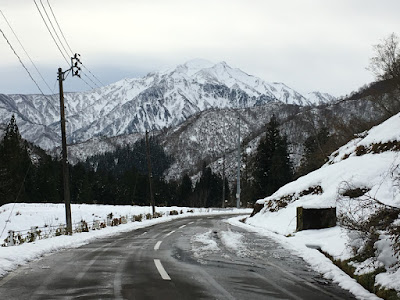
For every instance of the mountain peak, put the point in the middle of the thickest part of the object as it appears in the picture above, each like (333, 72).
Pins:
(193, 66)
(198, 63)
(159, 99)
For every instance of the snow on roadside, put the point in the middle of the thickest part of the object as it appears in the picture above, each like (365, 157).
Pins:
(369, 163)
(35, 214)
(313, 257)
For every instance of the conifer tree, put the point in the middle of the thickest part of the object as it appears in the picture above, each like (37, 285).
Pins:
(14, 164)
(316, 149)
(185, 191)
(272, 166)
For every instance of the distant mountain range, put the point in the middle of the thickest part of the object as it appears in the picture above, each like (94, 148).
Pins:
(158, 100)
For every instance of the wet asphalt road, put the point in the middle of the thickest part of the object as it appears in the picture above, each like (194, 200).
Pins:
(182, 259)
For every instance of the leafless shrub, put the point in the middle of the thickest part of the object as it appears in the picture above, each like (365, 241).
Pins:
(364, 213)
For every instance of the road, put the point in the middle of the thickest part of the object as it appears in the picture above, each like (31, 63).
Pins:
(192, 258)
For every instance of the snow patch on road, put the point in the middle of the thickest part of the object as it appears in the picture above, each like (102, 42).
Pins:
(203, 244)
(234, 242)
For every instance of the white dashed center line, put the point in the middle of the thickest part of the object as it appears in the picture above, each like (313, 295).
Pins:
(191, 223)
(182, 226)
(157, 245)
(168, 234)
(161, 270)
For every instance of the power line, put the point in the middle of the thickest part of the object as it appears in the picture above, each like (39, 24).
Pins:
(26, 69)
(95, 77)
(66, 42)
(52, 36)
(19, 58)
(37, 70)
(59, 28)
(44, 21)
(91, 80)
(55, 31)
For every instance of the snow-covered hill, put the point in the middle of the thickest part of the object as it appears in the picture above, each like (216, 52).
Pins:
(359, 179)
(205, 136)
(157, 100)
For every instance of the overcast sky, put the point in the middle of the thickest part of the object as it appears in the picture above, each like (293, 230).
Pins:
(309, 45)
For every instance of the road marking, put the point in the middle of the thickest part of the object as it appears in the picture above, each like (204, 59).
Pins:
(161, 270)
(191, 223)
(168, 234)
(157, 245)
(182, 226)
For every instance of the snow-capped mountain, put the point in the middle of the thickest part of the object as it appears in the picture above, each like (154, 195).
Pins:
(319, 98)
(157, 100)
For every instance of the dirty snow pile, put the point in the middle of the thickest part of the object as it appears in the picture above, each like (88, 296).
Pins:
(368, 165)
(206, 243)
(21, 217)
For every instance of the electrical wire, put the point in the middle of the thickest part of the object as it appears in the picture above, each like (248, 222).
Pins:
(95, 77)
(47, 26)
(23, 65)
(26, 69)
(66, 42)
(91, 80)
(51, 34)
(58, 25)
(52, 26)
(23, 48)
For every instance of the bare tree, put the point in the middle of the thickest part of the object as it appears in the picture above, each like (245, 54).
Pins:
(386, 62)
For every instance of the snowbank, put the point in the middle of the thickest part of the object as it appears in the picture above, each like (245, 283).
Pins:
(369, 163)
(24, 216)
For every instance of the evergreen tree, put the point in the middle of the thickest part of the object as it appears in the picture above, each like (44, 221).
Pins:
(44, 181)
(316, 148)
(14, 165)
(185, 191)
(208, 190)
(271, 165)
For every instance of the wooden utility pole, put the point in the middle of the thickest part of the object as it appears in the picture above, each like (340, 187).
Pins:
(64, 155)
(238, 166)
(75, 69)
(223, 180)
(150, 173)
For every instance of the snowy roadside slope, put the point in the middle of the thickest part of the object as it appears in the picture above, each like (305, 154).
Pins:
(371, 162)
(39, 214)
(378, 172)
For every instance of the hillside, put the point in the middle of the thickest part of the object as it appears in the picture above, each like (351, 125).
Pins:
(361, 179)
(205, 136)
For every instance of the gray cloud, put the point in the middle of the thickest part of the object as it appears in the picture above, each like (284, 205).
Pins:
(309, 45)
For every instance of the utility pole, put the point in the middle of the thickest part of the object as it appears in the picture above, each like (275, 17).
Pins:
(67, 198)
(223, 170)
(150, 173)
(223, 180)
(238, 165)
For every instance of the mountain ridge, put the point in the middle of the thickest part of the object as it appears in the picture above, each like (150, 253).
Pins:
(152, 102)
